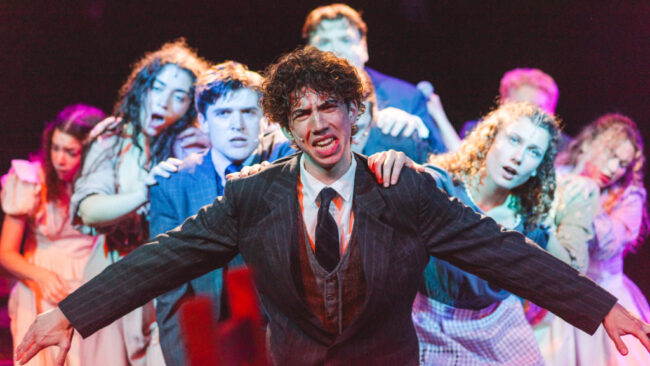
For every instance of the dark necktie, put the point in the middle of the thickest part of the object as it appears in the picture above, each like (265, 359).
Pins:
(233, 168)
(327, 232)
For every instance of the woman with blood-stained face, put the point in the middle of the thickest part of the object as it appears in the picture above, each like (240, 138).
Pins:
(154, 122)
(609, 153)
(35, 200)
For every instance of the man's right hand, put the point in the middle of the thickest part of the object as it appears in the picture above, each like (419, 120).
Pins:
(51, 328)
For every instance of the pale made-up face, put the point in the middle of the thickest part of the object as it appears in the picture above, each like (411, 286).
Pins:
(65, 154)
(321, 127)
(341, 38)
(167, 100)
(516, 153)
(233, 123)
(533, 95)
(606, 159)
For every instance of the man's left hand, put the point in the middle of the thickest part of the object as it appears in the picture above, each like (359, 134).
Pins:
(620, 322)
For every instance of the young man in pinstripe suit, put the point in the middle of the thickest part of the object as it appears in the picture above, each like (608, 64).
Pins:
(341, 304)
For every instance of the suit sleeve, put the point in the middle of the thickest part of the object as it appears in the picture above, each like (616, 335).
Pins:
(202, 243)
(477, 244)
(163, 212)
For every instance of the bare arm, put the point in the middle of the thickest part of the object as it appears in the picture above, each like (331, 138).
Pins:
(447, 130)
(39, 279)
(99, 209)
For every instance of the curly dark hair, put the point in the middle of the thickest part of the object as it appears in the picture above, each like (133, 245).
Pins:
(308, 68)
(533, 198)
(75, 120)
(143, 74)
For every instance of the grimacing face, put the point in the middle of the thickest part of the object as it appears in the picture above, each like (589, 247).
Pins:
(65, 154)
(167, 100)
(607, 158)
(321, 127)
(516, 152)
(341, 38)
(233, 123)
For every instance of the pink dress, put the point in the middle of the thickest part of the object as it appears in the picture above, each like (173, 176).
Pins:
(50, 242)
(615, 231)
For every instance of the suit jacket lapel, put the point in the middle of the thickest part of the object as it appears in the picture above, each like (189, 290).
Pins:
(374, 239)
(282, 201)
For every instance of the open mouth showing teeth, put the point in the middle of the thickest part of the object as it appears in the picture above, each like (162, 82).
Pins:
(325, 143)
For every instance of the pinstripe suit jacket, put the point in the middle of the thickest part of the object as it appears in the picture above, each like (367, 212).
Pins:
(173, 200)
(396, 229)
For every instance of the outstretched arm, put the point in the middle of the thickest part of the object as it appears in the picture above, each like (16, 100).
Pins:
(51, 328)
(204, 242)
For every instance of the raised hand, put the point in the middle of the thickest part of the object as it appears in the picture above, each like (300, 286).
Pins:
(194, 138)
(108, 124)
(393, 121)
(387, 166)
(249, 170)
(163, 169)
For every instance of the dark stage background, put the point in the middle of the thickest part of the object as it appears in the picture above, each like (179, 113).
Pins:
(56, 53)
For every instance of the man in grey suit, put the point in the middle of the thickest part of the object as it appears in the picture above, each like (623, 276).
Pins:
(227, 102)
(337, 258)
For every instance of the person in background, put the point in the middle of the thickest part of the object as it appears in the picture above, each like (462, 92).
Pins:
(340, 29)
(111, 197)
(609, 151)
(503, 169)
(517, 85)
(35, 199)
(337, 259)
(370, 139)
(227, 102)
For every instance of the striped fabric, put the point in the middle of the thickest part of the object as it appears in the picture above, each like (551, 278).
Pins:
(397, 229)
(496, 335)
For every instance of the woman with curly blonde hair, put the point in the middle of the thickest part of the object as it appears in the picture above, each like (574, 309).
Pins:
(609, 152)
(503, 169)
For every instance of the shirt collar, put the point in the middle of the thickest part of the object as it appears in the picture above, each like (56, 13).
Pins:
(344, 186)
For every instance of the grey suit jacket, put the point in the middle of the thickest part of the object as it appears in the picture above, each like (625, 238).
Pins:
(396, 229)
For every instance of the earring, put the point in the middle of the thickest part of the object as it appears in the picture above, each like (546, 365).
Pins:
(534, 173)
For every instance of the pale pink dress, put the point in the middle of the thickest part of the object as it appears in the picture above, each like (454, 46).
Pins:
(50, 242)
(615, 232)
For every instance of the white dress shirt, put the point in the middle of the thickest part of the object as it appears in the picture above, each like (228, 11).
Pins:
(340, 209)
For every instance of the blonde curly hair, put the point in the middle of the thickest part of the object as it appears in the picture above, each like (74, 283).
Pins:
(620, 126)
(532, 200)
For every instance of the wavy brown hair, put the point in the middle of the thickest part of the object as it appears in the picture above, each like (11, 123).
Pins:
(621, 126)
(533, 198)
(77, 121)
(308, 68)
(140, 81)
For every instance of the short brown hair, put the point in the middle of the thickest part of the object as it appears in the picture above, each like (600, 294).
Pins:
(331, 12)
(308, 68)
(222, 79)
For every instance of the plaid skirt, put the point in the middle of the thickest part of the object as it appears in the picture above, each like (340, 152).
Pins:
(496, 335)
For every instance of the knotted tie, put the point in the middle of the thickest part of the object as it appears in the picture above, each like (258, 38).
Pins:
(233, 168)
(327, 232)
